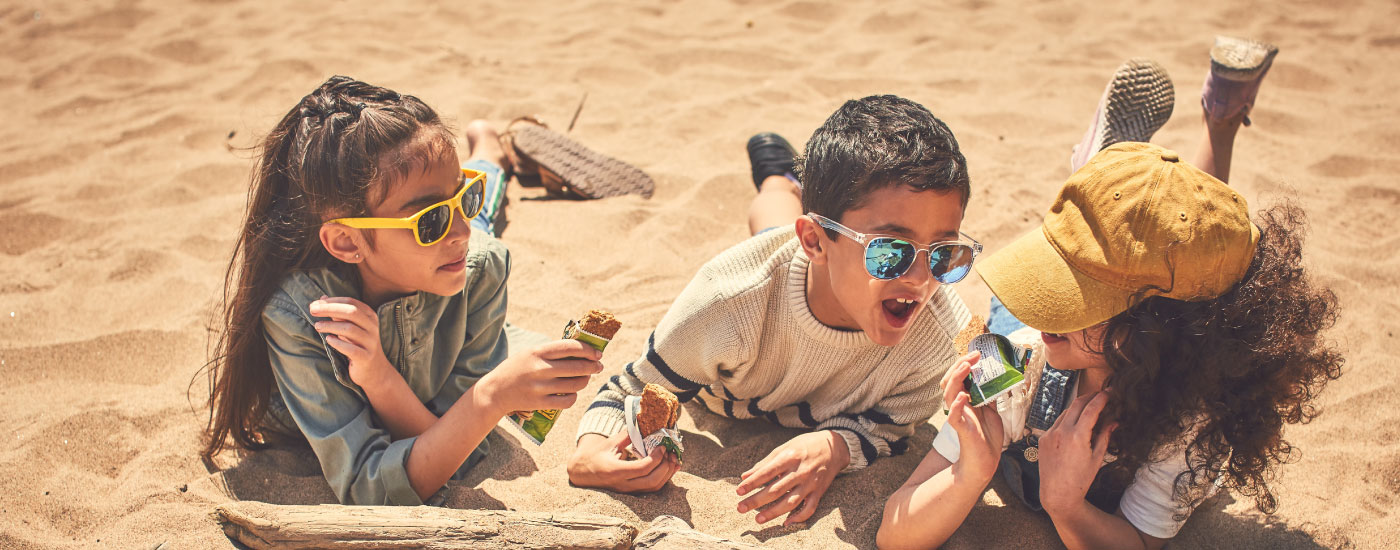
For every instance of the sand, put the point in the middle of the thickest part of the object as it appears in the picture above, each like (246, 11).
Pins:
(124, 164)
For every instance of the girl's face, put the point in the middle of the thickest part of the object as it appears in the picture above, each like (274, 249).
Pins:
(1075, 350)
(397, 265)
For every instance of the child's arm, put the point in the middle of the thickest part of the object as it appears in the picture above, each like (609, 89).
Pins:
(600, 458)
(936, 498)
(354, 331)
(352, 328)
(1071, 454)
(793, 478)
(361, 461)
(683, 354)
(547, 377)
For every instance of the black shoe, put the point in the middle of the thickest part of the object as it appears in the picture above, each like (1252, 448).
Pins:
(770, 155)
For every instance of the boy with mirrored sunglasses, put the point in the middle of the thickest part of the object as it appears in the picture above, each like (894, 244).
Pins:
(824, 320)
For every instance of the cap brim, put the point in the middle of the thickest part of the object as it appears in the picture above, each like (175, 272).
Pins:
(1037, 286)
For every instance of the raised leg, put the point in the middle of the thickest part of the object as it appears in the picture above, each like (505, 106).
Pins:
(779, 200)
(1237, 67)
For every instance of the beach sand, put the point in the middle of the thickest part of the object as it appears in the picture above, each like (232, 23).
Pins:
(124, 169)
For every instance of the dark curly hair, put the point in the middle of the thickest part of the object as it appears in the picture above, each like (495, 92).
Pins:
(1225, 373)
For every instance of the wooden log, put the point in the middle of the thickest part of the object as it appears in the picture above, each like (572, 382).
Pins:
(673, 533)
(262, 525)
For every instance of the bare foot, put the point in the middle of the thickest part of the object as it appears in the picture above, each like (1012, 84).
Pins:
(485, 144)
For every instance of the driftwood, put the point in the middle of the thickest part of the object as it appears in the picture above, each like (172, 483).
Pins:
(262, 525)
(673, 533)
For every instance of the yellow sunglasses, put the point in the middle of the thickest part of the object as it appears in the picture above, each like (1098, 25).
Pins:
(432, 224)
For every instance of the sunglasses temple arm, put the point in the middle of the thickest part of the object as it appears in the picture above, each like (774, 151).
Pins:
(837, 227)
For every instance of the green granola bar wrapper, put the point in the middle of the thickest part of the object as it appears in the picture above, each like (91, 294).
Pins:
(537, 424)
(1001, 368)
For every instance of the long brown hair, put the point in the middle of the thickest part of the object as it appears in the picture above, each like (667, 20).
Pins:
(341, 142)
(1226, 373)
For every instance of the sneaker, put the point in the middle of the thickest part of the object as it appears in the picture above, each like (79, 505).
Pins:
(771, 155)
(1135, 104)
(1237, 67)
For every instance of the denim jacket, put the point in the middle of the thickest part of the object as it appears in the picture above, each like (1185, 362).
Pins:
(440, 344)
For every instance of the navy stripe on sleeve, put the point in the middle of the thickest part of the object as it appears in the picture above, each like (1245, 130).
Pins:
(899, 446)
(614, 381)
(755, 411)
(879, 417)
(676, 380)
(866, 449)
(804, 413)
(686, 396)
(605, 404)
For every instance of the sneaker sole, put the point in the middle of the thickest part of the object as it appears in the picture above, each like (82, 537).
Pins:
(1240, 59)
(1137, 102)
(589, 173)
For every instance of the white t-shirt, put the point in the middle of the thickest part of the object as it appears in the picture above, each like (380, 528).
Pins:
(1147, 502)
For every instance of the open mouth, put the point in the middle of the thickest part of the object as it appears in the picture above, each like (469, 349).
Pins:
(899, 310)
(1051, 337)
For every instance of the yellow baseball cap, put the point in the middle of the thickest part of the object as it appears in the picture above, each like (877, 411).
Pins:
(1135, 218)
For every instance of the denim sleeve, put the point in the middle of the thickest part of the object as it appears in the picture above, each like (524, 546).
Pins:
(485, 346)
(358, 458)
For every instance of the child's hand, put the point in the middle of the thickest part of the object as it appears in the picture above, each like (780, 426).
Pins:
(794, 477)
(979, 432)
(1071, 453)
(952, 382)
(603, 462)
(979, 429)
(353, 330)
(547, 377)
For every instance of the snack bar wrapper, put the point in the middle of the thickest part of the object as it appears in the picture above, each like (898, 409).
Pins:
(595, 329)
(1001, 368)
(642, 445)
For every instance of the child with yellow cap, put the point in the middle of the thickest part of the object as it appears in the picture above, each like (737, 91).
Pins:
(1171, 338)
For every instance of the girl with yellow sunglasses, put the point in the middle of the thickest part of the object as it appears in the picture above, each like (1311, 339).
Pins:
(368, 300)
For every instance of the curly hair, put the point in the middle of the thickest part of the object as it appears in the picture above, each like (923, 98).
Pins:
(1224, 374)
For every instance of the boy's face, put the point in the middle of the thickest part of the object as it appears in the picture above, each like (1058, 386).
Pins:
(397, 265)
(856, 300)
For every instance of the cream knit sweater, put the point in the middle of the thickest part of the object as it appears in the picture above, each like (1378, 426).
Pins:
(742, 339)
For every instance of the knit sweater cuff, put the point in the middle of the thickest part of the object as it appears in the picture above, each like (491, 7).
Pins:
(853, 446)
(601, 420)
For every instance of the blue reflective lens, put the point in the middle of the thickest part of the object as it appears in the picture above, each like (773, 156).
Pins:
(949, 263)
(887, 258)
